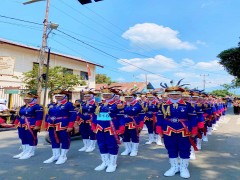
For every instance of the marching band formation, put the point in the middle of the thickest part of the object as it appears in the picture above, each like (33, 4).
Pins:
(179, 119)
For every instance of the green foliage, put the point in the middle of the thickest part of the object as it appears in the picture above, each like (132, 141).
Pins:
(220, 93)
(103, 78)
(56, 78)
(230, 59)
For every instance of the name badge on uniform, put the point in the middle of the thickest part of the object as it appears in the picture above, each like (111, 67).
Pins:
(103, 116)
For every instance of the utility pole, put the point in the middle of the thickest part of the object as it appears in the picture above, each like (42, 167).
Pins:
(46, 26)
(42, 51)
(204, 80)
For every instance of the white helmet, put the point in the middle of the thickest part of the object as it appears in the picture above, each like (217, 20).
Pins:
(3, 101)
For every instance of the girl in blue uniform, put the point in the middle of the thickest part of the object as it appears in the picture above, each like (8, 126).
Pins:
(59, 122)
(28, 123)
(177, 123)
(133, 119)
(84, 120)
(107, 127)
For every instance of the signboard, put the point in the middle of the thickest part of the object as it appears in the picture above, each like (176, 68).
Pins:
(7, 65)
(11, 91)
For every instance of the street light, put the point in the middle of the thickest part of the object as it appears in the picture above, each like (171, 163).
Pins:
(44, 44)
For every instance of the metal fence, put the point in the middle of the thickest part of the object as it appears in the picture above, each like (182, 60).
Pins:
(16, 99)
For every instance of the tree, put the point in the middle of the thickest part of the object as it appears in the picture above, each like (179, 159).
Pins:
(230, 59)
(103, 78)
(57, 78)
(221, 93)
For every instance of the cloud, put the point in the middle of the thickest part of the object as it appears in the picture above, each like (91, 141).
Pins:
(210, 66)
(165, 69)
(154, 37)
(201, 42)
(157, 64)
(187, 62)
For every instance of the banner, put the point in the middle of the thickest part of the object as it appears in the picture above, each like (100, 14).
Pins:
(7, 65)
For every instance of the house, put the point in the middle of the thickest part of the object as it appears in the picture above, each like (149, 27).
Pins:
(142, 86)
(16, 58)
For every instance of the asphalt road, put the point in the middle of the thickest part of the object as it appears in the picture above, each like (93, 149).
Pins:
(219, 159)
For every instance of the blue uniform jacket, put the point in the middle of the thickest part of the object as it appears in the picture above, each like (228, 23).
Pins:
(61, 116)
(29, 114)
(178, 118)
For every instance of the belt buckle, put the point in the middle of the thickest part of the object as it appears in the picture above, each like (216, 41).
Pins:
(174, 120)
(150, 112)
(22, 117)
(126, 116)
(85, 114)
(53, 118)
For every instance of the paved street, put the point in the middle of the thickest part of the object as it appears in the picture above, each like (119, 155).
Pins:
(219, 159)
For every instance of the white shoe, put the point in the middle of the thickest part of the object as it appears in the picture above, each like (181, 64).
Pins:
(105, 162)
(29, 152)
(192, 154)
(174, 167)
(92, 146)
(127, 150)
(209, 130)
(158, 140)
(112, 163)
(151, 139)
(55, 156)
(214, 128)
(205, 138)
(184, 173)
(86, 142)
(24, 148)
(63, 157)
(199, 144)
(134, 150)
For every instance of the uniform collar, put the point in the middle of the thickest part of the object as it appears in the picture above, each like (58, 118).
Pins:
(91, 102)
(109, 102)
(179, 102)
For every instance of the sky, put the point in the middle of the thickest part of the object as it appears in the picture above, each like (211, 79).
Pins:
(135, 40)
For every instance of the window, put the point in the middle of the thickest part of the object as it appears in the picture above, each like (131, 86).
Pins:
(67, 71)
(36, 64)
(84, 75)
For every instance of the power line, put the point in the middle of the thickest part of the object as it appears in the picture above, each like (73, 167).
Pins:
(110, 55)
(35, 28)
(21, 25)
(31, 22)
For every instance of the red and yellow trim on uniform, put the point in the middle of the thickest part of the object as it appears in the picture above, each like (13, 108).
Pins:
(147, 119)
(109, 129)
(98, 128)
(89, 122)
(38, 123)
(57, 126)
(130, 125)
(80, 121)
(171, 130)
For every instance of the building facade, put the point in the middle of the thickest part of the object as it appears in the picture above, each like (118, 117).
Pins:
(16, 58)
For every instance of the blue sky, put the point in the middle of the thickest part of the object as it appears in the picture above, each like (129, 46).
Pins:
(158, 39)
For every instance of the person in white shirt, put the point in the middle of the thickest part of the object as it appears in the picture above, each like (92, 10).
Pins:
(3, 106)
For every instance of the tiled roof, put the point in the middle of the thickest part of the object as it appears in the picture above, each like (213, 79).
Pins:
(4, 41)
(128, 85)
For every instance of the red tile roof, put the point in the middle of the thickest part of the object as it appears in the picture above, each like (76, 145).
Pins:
(127, 85)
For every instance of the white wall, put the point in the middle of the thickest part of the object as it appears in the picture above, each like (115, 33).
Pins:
(24, 59)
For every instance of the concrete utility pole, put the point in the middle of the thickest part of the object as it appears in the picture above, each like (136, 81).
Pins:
(43, 48)
(46, 26)
(204, 80)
